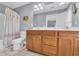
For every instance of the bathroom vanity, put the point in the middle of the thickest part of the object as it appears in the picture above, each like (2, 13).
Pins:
(59, 38)
(54, 42)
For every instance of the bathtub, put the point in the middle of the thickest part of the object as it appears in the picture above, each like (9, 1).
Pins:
(1, 44)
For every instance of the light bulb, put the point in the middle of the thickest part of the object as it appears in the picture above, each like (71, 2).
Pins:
(39, 4)
(35, 6)
(41, 8)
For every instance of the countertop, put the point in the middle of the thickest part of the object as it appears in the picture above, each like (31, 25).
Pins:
(57, 29)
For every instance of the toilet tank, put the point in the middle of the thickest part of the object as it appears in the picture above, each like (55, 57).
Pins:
(23, 34)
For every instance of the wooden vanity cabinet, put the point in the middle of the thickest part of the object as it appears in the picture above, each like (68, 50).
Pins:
(44, 42)
(33, 41)
(53, 43)
(65, 46)
(76, 44)
(37, 43)
(29, 42)
(49, 43)
(65, 43)
(76, 47)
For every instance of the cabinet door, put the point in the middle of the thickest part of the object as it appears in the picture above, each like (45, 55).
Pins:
(37, 43)
(49, 45)
(65, 46)
(76, 47)
(29, 42)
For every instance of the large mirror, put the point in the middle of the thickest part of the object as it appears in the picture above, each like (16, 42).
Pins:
(56, 14)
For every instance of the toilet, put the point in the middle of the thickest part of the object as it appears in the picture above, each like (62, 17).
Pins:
(19, 42)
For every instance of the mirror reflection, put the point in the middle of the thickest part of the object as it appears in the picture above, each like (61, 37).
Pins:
(56, 14)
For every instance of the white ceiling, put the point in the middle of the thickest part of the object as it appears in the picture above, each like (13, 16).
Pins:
(14, 4)
(52, 6)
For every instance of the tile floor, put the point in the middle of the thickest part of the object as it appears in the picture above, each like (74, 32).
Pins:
(21, 52)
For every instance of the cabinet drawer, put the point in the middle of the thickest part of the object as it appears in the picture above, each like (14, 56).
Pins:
(50, 33)
(49, 40)
(36, 32)
(49, 50)
(66, 34)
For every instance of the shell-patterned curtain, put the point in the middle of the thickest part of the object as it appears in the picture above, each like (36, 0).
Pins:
(11, 27)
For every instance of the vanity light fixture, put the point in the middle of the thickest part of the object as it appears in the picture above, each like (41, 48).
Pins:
(38, 7)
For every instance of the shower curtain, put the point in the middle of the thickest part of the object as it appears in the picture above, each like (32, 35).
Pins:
(9, 27)
(2, 24)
